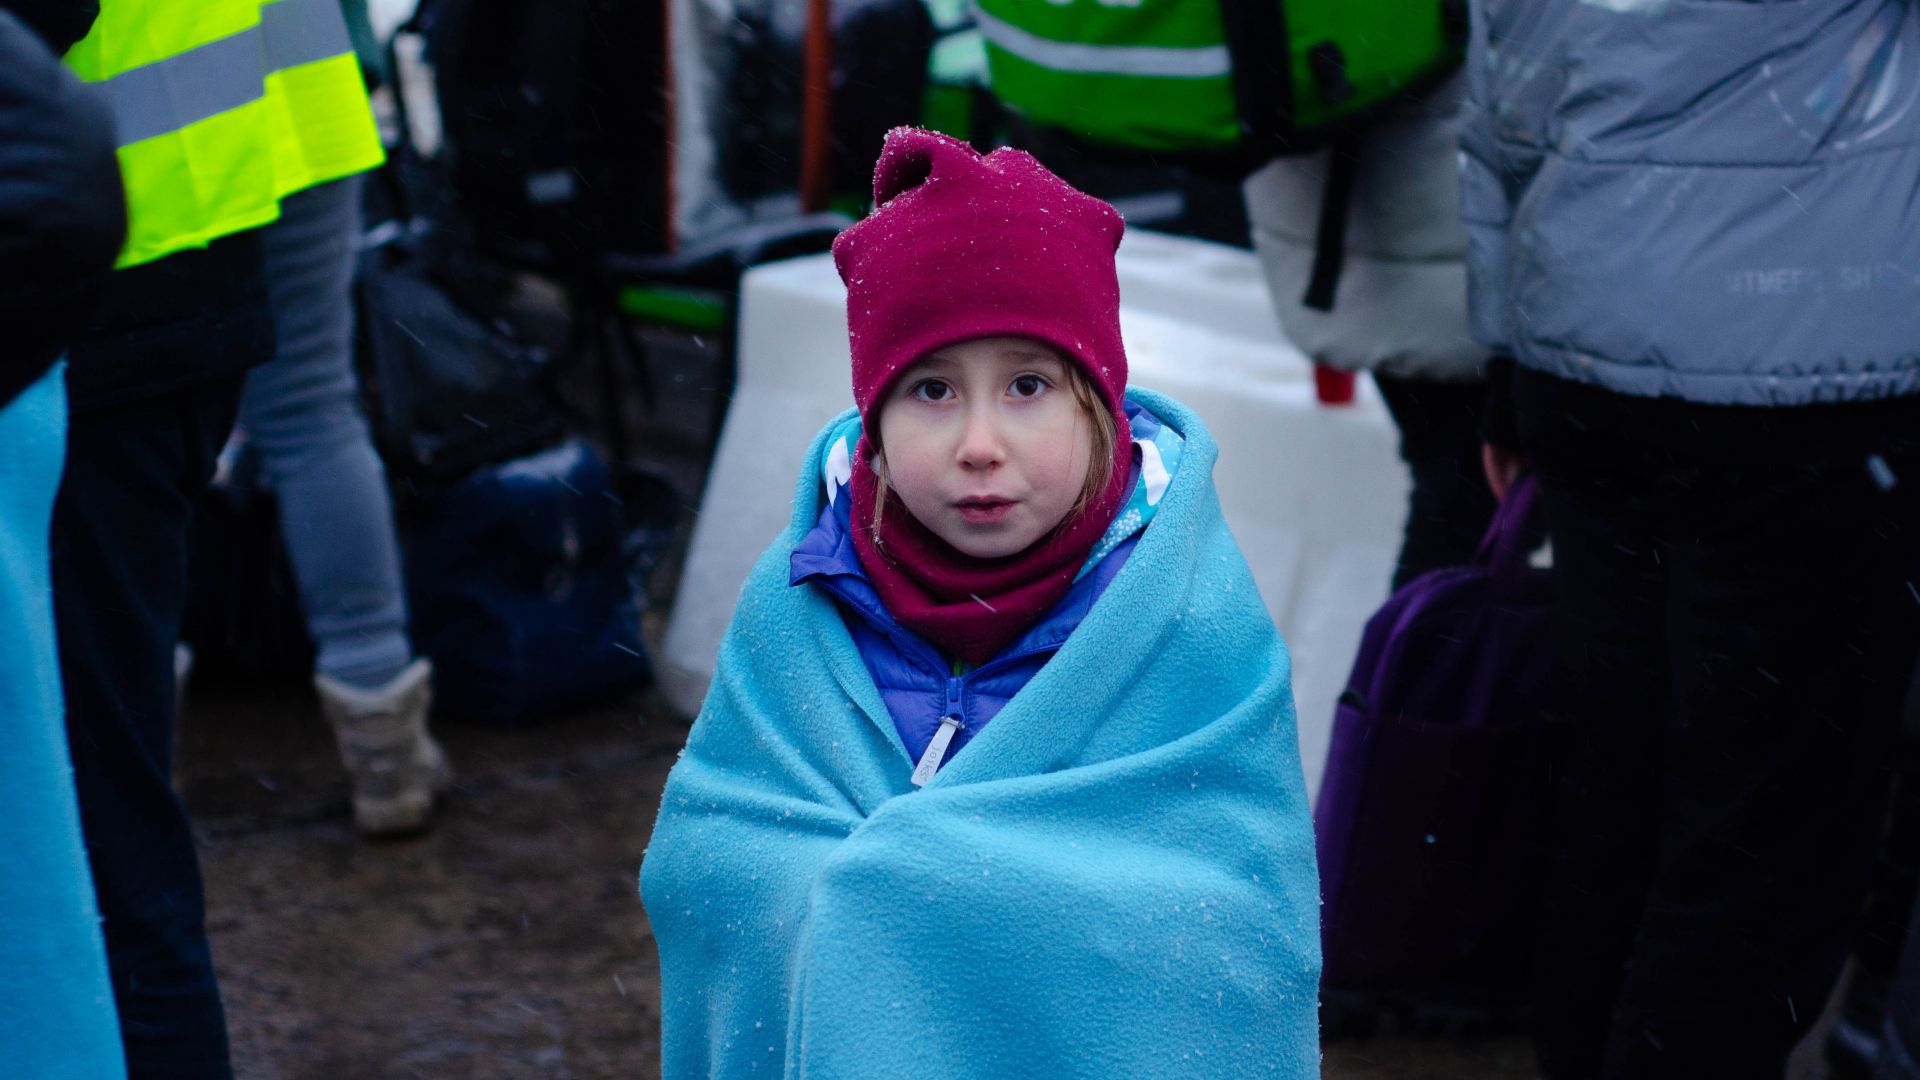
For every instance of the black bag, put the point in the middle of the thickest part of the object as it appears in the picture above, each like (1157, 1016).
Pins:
(446, 391)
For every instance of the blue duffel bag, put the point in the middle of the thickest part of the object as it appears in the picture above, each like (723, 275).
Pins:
(521, 590)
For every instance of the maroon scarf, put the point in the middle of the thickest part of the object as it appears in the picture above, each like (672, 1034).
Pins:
(968, 607)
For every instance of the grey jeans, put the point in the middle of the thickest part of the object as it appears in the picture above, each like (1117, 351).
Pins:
(301, 415)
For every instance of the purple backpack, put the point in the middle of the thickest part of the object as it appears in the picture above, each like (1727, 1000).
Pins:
(1430, 824)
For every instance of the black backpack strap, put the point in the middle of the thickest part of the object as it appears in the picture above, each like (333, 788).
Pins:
(1330, 241)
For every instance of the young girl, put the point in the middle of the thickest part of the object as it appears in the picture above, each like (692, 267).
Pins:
(998, 774)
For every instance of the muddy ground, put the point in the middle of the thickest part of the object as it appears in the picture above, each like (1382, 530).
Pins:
(510, 941)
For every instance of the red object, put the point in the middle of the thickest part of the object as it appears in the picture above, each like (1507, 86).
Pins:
(816, 114)
(964, 246)
(1333, 386)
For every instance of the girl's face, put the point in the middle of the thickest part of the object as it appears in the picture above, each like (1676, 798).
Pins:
(985, 444)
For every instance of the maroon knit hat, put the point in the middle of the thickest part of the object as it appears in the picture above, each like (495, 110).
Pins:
(963, 246)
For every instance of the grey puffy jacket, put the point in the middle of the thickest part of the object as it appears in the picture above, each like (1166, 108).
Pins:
(1715, 200)
(1401, 304)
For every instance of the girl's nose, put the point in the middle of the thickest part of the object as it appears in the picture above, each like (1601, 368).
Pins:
(981, 444)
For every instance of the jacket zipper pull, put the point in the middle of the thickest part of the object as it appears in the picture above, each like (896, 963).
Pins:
(936, 751)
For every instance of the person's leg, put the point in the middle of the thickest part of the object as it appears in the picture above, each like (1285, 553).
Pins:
(301, 414)
(119, 573)
(1610, 591)
(1792, 633)
(1853, 1039)
(1450, 504)
(1900, 1034)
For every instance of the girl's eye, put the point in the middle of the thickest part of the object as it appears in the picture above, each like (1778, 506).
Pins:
(1026, 386)
(932, 390)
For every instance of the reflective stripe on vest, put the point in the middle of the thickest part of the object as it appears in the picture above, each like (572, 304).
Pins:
(1080, 58)
(186, 79)
(1140, 74)
(302, 31)
(170, 94)
(221, 108)
(323, 128)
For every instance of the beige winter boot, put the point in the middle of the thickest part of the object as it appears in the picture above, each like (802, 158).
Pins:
(394, 767)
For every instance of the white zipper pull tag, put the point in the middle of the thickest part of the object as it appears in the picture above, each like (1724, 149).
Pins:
(936, 751)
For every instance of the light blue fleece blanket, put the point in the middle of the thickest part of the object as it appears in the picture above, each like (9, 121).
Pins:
(1114, 879)
(56, 1006)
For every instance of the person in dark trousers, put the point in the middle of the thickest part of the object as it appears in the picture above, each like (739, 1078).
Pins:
(1856, 1037)
(62, 219)
(1899, 1049)
(155, 381)
(1694, 228)
(139, 455)
(1399, 309)
(152, 382)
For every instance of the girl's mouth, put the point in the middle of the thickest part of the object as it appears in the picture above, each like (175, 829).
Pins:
(983, 510)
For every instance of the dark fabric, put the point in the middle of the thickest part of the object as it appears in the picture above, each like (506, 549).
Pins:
(59, 23)
(1738, 620)
(1450, 503)
(119, 573)
(366, 43)
(1896, 882)
(448, 390)
(1329, 245)
(1428, 822)
(1857, 1032)
(62, 212)
(556, 136)
(1900, 1051)
(195, 316)
(1497, 424)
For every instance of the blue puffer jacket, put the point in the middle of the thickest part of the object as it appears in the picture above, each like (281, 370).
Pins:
(1714, 200)
(918, 684)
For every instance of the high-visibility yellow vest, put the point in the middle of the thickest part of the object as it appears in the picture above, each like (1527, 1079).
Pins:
(222, 107)
(325, 127)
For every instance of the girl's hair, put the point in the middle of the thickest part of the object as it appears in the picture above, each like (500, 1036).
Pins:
(1099, 470)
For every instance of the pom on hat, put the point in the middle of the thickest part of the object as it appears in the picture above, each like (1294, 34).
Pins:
(963, 246)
